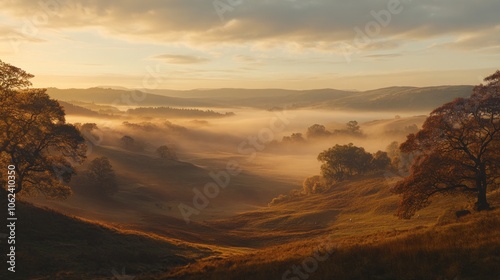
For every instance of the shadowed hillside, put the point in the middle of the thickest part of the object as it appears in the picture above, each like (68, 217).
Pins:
(55, 246)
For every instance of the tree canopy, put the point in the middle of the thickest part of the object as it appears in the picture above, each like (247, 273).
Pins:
(35, 137)
(101, 177)
(343, 161)
(165, 152)
(456, 150)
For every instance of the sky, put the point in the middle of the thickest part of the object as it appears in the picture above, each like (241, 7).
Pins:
(292, 44)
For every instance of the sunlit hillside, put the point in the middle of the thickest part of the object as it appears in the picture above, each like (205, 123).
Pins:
(252, 140)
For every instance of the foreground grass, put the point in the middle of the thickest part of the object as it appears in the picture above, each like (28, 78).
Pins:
(53, 246)
(469, 249)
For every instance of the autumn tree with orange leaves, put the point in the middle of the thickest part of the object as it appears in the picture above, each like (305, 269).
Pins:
(35, 140)
(457, 151)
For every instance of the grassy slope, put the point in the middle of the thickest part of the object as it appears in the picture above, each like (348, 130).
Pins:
(466, 250)
(358, 217)
(53, 246)
(150, 192)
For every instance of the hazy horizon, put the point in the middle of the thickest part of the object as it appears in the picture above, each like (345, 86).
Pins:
(117, 87)
(251, 44)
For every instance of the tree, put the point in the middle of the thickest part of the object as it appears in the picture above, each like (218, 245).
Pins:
(101, 177)
(314, 184)
(127, 141)
(343, 161)
(90, 132)
(400, 161)
(380, 161)
(294, 138)
(165, 152)
(457, 150)
(35, 137)
(317, 131)
(353, 128)
(392, 150)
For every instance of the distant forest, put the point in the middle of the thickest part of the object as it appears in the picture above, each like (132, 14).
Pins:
(177, 112)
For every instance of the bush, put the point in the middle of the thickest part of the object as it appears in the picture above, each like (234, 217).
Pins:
(314, 184)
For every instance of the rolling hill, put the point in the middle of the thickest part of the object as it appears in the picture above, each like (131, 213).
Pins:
(354, 219)
(56, 246)
(392, 98)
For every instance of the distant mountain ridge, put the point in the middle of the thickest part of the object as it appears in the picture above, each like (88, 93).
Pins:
(390, 98)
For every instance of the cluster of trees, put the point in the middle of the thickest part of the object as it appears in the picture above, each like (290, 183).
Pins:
(344, 161)
(352, 128)
(455, 152)
(319, 131)
(162, 151)
(340, 162)
(149, 126)
(168, 112)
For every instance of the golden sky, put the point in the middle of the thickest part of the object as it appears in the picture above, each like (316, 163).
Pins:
(293, 44)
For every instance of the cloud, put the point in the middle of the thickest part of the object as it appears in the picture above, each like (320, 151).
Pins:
(12, 35)
(311, 23)
(383, 56)
(245, 58)
(485, 40)
(181, 59)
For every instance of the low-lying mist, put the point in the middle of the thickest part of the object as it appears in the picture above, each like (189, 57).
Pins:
(255, 137)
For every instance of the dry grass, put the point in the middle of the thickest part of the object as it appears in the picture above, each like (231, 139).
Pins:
(356, 217)
(466, 250)
(53, 246)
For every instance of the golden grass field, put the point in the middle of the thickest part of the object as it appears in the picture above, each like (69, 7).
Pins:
(354, 219)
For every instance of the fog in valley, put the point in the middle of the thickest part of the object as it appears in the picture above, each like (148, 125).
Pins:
(254, 139)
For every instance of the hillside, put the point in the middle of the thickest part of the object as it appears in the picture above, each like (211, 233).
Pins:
(392, 98)
(356, 221)
(71, 109)
(123, 97)
(55, 246)
(469, 249)
(354, 218)
(150, 190)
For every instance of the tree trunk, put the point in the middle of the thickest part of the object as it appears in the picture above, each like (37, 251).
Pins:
(482, 203)
(481, 184)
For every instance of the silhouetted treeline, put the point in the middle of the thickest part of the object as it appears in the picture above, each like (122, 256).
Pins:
(177, 112)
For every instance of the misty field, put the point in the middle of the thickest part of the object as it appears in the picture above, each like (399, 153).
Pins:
(244, 186)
